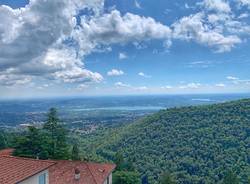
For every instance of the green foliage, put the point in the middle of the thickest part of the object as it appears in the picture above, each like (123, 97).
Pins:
(57, 137)
(125, 177)
(119, 161)
(47, 143)
(195, 144)
(145, 180)
(75, 153)
(30, 144)
(166, 178)
(230, 178)
(3, 143)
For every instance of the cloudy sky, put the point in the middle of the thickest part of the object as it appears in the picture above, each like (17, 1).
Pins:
(106, 47)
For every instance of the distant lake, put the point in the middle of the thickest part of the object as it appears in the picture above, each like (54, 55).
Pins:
(101, 108)
(123, 108)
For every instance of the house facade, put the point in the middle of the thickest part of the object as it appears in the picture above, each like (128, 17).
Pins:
(39, 178)
(18, 170)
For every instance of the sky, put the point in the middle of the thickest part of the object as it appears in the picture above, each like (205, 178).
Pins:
(123, 47)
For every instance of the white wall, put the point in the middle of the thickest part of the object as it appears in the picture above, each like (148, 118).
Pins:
(110, 180)
(35, 179)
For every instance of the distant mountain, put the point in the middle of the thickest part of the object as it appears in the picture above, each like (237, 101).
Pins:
(197, 144)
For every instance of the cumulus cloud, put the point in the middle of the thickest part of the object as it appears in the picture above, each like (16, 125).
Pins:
(243, 15)
(244, 3)
(115, 72)
(44, 39)
(9, 79)
(137, 4)
(81, 87)
(113, 28)
(122, 56)
(29, 38)
(144, 75)
(232, 78)
(216, 5)
(122, 85)
(194, 27)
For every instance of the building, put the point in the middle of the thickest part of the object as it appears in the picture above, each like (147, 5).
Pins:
(18, 170)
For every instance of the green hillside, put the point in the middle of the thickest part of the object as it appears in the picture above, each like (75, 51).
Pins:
(196, 144)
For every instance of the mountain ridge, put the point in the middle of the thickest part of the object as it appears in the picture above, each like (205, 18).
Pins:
(198, 144)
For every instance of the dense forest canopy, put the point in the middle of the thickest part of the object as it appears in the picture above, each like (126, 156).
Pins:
(188, 145)
(196, 144)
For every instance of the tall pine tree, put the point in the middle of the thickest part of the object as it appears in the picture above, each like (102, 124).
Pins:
(56, 136)
(75, 152)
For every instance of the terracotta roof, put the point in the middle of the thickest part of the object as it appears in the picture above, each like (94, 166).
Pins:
(17, 169)
(90, 173)
(6, 152)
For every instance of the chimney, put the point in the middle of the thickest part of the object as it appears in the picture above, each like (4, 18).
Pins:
(77, 174)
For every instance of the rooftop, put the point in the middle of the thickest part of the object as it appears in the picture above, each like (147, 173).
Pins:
(90, 173)
(16, 169)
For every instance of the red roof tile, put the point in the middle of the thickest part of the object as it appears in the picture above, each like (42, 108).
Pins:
(90, 173)
(16, 169)
(6, 152)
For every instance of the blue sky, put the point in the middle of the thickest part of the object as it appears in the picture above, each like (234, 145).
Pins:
(113, 47)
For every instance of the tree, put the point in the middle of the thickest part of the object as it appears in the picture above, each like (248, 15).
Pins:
(58, 148)
(230, 178)
(119, 161)
(166, 178)
(144, 180)
(125, 177)
(3, 143)
(75, 152)
(29, 145)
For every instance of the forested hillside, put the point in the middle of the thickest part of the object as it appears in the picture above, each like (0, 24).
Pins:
(195, 144)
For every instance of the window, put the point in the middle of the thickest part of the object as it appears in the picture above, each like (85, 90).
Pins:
(42, 178)
(108, 180)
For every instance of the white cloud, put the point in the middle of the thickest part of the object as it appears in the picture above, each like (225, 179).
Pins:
(113, 28)
(220, 85)
(200, 64)
(243, 15)
(122, 85)
(244, 3)
(33, 39)
(63, 64)
(216, 5)
(187, 6)
(122, 56)
(167, 87)
(42, 87)
(31, 42)
(232, 78)
(81, 87)
(144, 75)
(137, 4)
(236, 80)
(7, 79)
(115, 72)
(194, 27)
(192, 85)
(141, 88)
